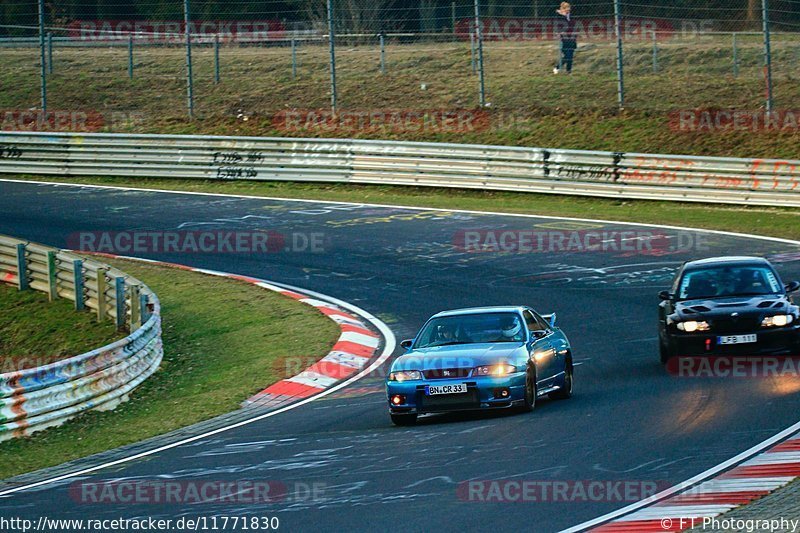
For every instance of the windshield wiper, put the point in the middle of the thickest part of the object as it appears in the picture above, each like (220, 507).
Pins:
(451, 343)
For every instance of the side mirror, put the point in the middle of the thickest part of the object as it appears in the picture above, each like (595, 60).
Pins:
(406, 344)
(538, 334)
(551, 319)
(793, 286)
(665, 295)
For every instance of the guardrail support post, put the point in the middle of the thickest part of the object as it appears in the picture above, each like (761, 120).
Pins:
(52, 280)
(77, 268)
(101, 294)
(136, 316)
(143, 309)
(22, 268)
(119, 288)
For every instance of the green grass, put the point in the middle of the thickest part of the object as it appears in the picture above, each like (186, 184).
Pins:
(529, 105)
(775, 222)
(224, 340)
(36, 332)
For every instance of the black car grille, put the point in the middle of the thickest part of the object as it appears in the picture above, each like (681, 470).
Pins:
(446, 373)
(448, 402)
(735, 325)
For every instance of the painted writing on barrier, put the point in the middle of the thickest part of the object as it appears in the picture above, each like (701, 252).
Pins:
(236, 165)
(10, 152)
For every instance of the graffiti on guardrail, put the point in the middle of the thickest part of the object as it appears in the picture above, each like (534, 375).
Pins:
(232, 165)
(10, 152)
(775, 170)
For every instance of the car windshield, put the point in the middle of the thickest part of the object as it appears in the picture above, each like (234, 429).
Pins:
(472, 328)
(724, 281)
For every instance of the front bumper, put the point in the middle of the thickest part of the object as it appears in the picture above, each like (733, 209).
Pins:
(771, 341)
(481, 394)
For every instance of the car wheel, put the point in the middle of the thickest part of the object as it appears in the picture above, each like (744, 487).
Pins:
(566, 390)
(404, 420)
(664, 353)
(530, 392)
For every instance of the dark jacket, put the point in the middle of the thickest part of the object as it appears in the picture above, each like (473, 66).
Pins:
(567, 27)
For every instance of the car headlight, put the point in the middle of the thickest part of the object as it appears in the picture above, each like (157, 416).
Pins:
(690, 326)
(494, 370)
(777, 321)
(405, 375)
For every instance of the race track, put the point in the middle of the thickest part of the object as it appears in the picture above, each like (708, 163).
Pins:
(628, 420)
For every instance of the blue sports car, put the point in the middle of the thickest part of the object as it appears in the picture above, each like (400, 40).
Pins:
(480, 358)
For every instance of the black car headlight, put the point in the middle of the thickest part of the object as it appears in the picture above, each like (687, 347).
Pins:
(405, 375)
(777, 321)
(690, 326)
(494, 370)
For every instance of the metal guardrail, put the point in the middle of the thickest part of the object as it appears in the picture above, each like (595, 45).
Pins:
(769, 182)
(37, 398)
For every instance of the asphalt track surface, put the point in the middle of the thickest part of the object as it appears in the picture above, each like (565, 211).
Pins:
(628, 419)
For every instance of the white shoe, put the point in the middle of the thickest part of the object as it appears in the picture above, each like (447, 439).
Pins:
(555, 70)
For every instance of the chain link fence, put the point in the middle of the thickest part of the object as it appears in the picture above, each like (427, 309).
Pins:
(212, 57)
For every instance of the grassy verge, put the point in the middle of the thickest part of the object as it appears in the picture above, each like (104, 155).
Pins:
(529, 105)
(35, 331)
(223, 341)
(775, 222)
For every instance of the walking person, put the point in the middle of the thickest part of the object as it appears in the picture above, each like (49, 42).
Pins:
(569, 40)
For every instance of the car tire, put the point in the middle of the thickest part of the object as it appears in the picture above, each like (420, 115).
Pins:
(529, 398)
(404, 420)
(565, 392)
(664, 353)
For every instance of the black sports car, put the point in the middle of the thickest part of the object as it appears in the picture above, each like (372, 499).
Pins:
(728, 306)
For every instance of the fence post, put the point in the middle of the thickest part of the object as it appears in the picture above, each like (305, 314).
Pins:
(101, 294)
(479, 38)
(294, 58)
(383, 54)
(119, 293)
(332, 47)
(22, 268)
(49, 52)
(77, 277)
(136, 316)
(453, 18)
(655, 52)
(216, 59)
(735, 55)
(42, 59)
(472, 51)
(52, 279)
(130, 56)
(620, 56)
(189, 77)
(767, 54)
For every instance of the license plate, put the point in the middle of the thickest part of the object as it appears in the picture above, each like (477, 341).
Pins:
(433, 390)
(737, 339)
